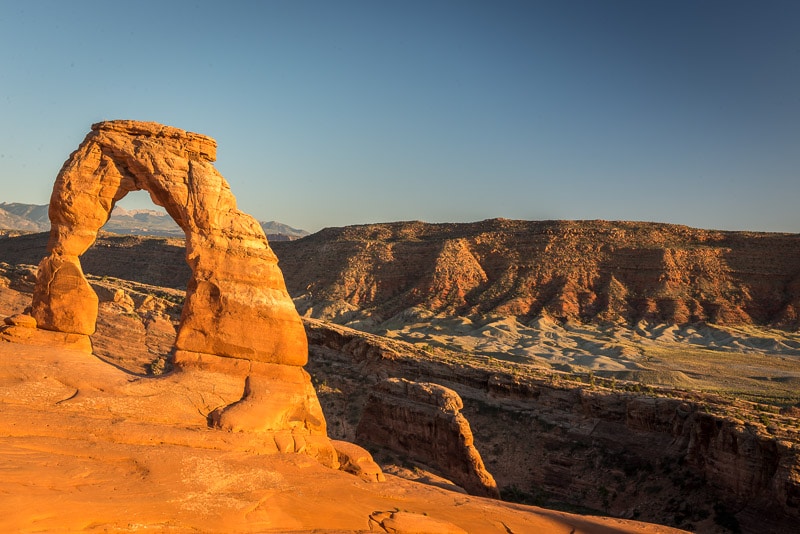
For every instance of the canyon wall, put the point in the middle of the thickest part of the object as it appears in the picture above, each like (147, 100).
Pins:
(583, 270)
(424, 421)
(681, 458)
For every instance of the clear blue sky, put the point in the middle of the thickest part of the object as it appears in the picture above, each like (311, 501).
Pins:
(332, 113)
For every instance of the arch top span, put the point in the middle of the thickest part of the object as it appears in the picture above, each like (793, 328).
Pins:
(236, 306)
(195, 145)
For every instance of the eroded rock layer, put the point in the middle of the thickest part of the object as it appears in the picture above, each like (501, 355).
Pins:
(569, 270)
(425, 420)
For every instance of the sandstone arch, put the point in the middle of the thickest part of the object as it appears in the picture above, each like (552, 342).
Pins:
(236, 304)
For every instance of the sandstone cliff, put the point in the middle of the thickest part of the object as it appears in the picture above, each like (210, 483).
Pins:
(584, 270)
(424, 420)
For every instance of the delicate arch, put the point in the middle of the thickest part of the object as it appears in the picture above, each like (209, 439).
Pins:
(236, 299)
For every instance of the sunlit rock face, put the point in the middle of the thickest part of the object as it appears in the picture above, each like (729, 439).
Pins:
(424, 420)
(238, 318)
(236, 303)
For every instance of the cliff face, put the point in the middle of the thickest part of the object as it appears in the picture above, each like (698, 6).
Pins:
(685, 459)
(586, 270)
(424, 421)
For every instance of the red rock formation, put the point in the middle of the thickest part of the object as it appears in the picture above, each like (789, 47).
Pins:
(424, 420)
(237, 317)
(236, 291)
(585, 270)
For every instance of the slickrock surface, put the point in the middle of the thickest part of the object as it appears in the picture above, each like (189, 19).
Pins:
(87, 447)
(425, 420)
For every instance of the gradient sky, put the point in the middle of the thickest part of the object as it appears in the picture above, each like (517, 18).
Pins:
(332, 113)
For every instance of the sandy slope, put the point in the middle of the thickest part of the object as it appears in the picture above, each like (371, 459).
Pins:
(85, 446)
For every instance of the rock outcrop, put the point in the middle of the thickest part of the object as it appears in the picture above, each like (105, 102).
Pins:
(237, 317)
(85, 446)
(424, 420)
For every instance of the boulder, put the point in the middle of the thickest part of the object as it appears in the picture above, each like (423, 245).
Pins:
(20, 319)
(356, 460)
(398, 522)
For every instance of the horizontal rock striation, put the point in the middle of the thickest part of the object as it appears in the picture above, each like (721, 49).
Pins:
(584, 270)
(424, 420)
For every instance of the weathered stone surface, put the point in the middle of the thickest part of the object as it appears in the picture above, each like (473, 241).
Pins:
(358, 461)
(20, 319)
(236, 293)
(424, 420)
(410, 523)
(66, 301)
(25, 335)
(276, 397)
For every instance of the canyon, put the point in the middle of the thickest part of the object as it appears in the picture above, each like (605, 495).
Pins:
(642, 371)
(689, 424)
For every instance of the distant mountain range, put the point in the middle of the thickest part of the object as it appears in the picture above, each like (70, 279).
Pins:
(24, 217)
(34, 218)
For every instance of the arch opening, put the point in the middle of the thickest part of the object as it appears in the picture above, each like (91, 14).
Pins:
(138, 270)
